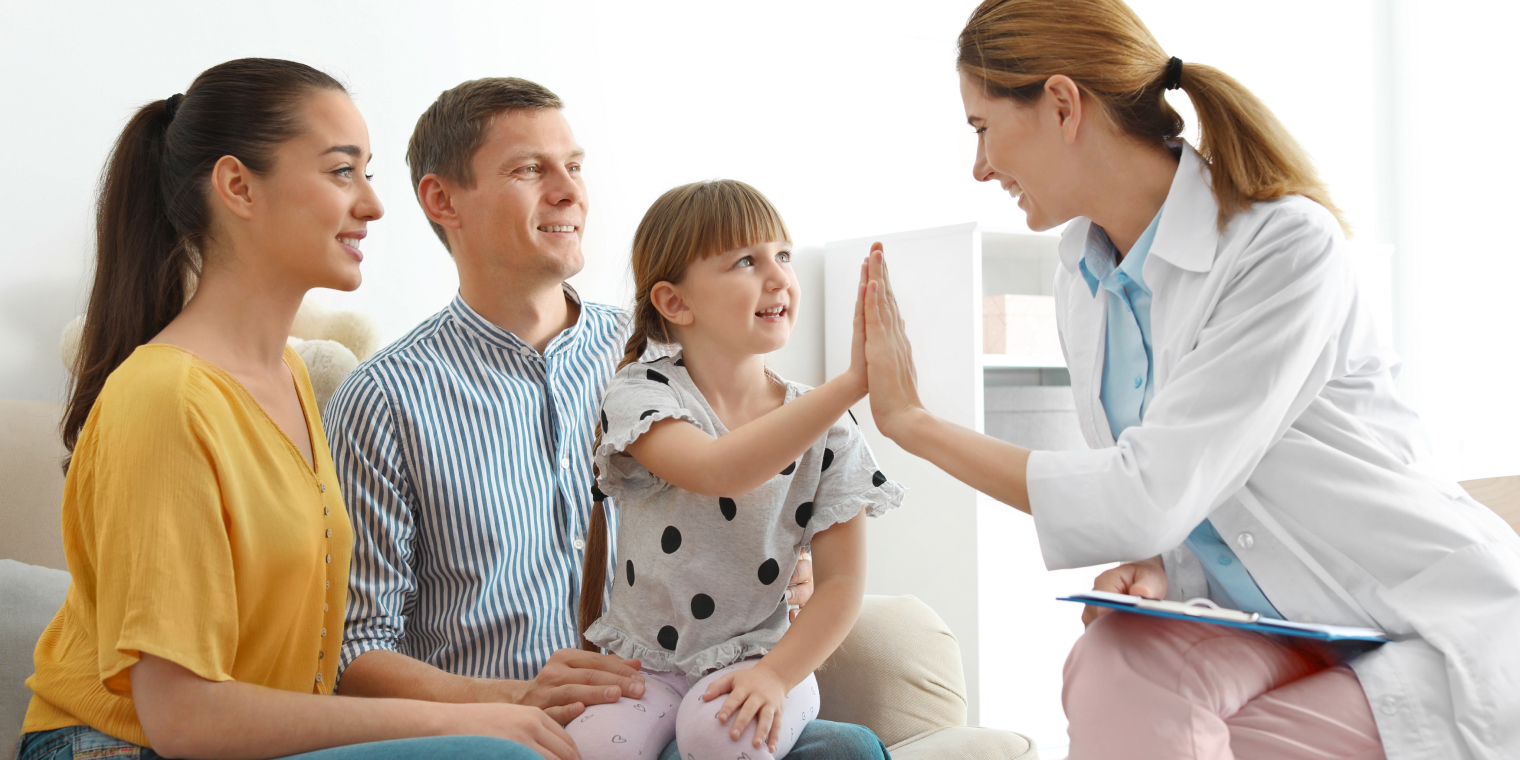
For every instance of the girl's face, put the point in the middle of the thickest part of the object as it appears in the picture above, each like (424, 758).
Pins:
(317, 198)
(744, 299)
(1027, 149)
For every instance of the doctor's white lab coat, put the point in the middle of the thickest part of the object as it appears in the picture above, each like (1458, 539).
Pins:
(1276, 416)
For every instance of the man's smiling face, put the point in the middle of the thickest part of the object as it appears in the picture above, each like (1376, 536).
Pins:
(527, 210)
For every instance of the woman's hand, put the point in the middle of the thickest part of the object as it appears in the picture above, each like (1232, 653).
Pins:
(800, 588)
(892, 379)
(1145, 578)
(757, 694)
(538, 730)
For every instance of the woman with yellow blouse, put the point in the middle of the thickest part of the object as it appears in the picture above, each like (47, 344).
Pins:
(203, 526)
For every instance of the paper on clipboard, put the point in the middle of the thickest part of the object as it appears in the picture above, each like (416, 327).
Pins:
(1204, 611)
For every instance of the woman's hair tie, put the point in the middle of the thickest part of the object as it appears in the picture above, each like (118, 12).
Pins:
(1174, 73)
(172, 104)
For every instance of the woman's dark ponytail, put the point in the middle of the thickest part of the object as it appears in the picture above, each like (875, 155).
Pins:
(152, 220)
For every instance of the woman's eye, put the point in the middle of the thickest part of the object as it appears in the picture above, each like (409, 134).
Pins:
(346, 172)
(980, 130)
(369, 178)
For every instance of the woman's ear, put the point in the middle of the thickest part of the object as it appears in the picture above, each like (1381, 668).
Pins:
(1066, 99)
(232, 185)
(667, 300)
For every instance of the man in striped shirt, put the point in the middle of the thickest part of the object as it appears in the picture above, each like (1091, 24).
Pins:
(464, 447)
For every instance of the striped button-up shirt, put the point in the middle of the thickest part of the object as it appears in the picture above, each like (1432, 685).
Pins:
(464, 457)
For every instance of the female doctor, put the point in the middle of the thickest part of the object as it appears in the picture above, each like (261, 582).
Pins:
(1248, 442)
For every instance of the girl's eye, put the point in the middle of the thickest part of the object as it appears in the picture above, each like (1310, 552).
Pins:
(747, 261)
(784, 257)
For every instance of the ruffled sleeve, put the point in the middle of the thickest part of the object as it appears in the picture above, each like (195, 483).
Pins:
(850, 481)
(637, 397)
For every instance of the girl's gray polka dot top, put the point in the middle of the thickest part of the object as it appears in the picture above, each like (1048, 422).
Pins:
(700, 581)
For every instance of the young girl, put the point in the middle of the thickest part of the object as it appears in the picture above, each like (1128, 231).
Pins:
(722, 472)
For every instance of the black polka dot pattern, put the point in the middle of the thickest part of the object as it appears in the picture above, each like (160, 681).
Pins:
(646, 414)
(852, 417)
(671, 541)
(630, 572)
(791, 468)
(657, 377)
(804, 514)
(702, 606)
(828, 458)
(604, 422)
(770, 571)
(877, 479)
(681, 362)
(728, 507)
(669, 637)
(596, 493)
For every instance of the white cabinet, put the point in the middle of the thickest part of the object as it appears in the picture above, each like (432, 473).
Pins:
(976, 562)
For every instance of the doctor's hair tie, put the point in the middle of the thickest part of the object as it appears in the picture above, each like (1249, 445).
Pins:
(172, 104)
(1174, 73)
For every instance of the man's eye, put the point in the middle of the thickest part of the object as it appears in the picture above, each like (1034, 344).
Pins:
(575, 167)
(533, 169)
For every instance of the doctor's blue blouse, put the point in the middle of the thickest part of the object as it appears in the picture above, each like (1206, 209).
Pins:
(1128, 384)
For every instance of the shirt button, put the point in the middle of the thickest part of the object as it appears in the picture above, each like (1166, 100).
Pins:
(329, 532)
(525, 351)
(1389, 705)
(329, 559)
(565, 462)
(324, 608)
(322, 487)
(1139, 381)
(324, 510)
(1225, 560)
(324, 633)
(320, 655)
(1245, 540)
(319, 678)
(329, 584)
(579, 544)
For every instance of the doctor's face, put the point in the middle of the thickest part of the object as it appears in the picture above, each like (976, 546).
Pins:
(1023, 148)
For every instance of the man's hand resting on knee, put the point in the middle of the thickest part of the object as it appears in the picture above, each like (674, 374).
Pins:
(572, 680)
(1145, 578)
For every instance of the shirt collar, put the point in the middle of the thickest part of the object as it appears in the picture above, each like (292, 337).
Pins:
(1187, 235)
(504, 338)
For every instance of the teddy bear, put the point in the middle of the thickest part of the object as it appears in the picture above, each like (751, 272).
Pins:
(330, 341)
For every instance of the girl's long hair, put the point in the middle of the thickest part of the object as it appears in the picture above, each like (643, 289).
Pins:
(1013, 46)
(687, 223)
(153, 216)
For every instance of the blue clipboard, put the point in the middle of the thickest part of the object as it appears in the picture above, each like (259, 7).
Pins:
(1205, 611)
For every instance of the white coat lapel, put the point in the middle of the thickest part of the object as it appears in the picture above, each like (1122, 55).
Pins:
(1083, 333)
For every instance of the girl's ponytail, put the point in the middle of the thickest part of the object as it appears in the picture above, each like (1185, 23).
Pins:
(1013, 46)
(153, 215)
(143, 271)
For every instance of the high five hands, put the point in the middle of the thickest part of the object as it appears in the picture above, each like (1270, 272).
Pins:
(881, 339)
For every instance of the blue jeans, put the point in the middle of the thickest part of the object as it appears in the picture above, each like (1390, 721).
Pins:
(85, 742)
(823, 740)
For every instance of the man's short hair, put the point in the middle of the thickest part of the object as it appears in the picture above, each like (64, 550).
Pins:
(453, 128)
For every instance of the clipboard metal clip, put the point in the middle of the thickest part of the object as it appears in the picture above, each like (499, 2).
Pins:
(1199, 608)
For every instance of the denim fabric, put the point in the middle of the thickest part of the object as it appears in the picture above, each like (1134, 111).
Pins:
(85, 743)
(824, 740)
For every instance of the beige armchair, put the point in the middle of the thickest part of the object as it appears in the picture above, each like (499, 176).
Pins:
(899, 672)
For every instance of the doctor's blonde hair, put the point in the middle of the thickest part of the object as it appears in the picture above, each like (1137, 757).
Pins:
(1013, 46)
(686, 224)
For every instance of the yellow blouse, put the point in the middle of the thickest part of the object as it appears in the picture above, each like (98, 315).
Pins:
(195, 532)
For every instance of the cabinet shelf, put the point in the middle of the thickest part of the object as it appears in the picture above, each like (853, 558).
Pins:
(1018, 361)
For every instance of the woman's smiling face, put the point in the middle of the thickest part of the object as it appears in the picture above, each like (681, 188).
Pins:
(744, 299)
(1027, 149)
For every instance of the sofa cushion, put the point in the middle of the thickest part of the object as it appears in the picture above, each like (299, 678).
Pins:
(967, 743)
(30, 597)
(898, 672)
(31, 455)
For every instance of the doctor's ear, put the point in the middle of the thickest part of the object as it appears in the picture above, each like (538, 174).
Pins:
(1065, 100)
(666, 299)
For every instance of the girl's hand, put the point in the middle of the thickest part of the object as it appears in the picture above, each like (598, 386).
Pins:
(758, 694)
(857, 369)
(889, 356)
(1145, 578)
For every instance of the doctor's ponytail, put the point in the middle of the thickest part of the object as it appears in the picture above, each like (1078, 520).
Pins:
(1013, 46)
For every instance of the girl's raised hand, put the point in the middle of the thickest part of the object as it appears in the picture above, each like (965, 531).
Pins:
(892, 379)
(756, 694)
(858, 340)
